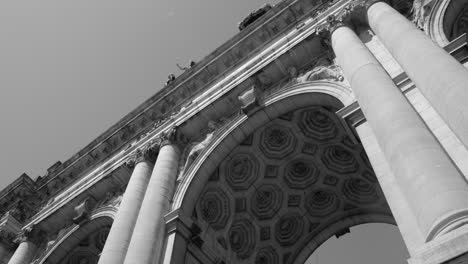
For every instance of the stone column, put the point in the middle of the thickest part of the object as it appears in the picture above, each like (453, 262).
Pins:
(440, 77)
(28, 240)
(404, 216)
(117, 242)
(149, 233)
(433, 186)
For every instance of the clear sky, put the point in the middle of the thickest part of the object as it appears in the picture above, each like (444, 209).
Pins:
(69, 69)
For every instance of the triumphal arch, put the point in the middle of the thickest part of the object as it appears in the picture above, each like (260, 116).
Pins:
(317, 116)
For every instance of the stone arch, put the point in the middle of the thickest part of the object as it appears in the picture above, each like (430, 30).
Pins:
(68, 239)
(306, 203)
(446, 20)
(291, 178)
(233, 133)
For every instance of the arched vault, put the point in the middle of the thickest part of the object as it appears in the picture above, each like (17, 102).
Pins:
(273, 186)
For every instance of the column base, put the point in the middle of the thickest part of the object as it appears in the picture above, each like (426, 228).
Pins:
(450, 248)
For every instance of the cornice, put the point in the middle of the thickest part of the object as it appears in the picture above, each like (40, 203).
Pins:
(213, 92)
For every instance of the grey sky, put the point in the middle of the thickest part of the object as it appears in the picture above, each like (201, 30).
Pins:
(69, 69)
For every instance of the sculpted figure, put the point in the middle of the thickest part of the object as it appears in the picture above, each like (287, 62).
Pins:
(197, 147)
(421, 10)
(331, 72)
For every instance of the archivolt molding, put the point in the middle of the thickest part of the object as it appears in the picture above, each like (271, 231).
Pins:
(103, 214)
(447, 20)
(434, 22)
(233, 132)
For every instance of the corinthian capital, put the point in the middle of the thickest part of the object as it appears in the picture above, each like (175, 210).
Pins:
(173, 136)
(30, 234)
(148, 153)
(353, 15)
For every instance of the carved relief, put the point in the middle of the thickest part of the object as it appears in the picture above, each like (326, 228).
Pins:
(194, 149)
(421, 10)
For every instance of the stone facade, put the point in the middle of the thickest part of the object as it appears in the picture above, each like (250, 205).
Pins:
(317, 116)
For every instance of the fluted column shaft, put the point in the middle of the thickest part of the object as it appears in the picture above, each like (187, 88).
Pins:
(117, 242)
(433, 186)
(440, 77)
(24, 253)
(148, 235)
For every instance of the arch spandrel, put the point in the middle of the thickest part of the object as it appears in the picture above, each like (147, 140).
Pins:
(78, 243)
(285, 183)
